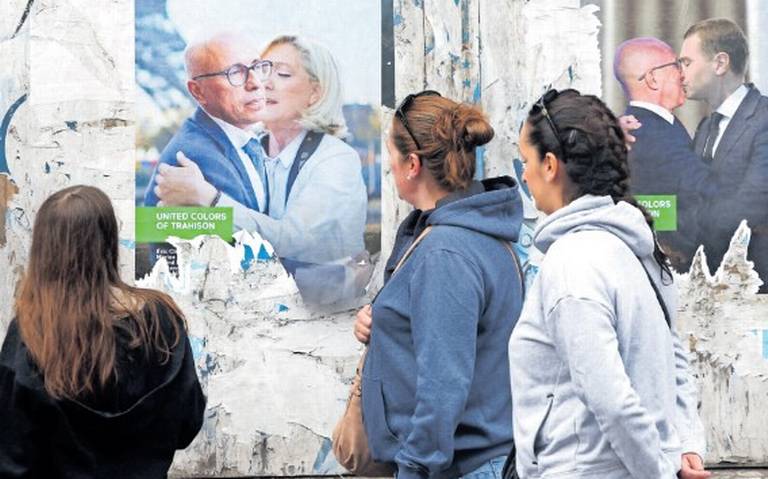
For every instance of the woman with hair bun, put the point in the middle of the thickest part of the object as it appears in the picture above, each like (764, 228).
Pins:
(600, 382)
(433, 388)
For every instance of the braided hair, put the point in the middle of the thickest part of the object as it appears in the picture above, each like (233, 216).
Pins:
(591, 144)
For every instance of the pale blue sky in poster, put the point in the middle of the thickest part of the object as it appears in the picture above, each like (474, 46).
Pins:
(350, 29)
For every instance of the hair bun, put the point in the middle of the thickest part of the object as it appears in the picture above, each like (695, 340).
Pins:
(463, 128)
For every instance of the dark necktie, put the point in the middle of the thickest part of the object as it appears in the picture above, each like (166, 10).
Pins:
(255, 153)
(712, 134)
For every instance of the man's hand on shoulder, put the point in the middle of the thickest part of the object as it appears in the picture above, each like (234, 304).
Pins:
(183, 185)
(628, 124)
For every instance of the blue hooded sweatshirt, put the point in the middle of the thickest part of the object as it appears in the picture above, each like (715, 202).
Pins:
(436, 395)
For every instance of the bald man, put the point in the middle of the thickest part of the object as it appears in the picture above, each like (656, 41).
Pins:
(662, 160)
(221, 77)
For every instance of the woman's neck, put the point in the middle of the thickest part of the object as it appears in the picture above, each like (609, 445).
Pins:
(427, 198)
(281, 135)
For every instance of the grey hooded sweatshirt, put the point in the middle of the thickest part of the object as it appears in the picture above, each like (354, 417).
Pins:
(600, 387)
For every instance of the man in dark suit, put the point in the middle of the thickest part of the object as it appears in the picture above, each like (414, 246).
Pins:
(221, 75)
(662, 160)
(733, 139)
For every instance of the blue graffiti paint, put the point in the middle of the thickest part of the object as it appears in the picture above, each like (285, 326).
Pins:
(247, 257)
(518, 166)
(47, 168)
(429, 44)
(479, 162)
(397, 19)
(130, 244)
(571, 73)
(319, 466)
(198, 266)
(281, 308)
(263, 255)
(72, 125)
(23, 18)
(765, 344)
(477, 95)
(198, 347)
(4, 132)
(464, 21)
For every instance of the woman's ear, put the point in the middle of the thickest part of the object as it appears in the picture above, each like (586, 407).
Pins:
(551, 167)
(317, 92)
(414, 165)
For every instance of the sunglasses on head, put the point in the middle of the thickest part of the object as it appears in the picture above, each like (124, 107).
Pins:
(403, 108)
(541, 107)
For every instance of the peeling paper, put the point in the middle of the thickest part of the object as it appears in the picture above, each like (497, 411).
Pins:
(724, 319)
(276, 374)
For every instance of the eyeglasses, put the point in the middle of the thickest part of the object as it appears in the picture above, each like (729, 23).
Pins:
(400, 112)
(541, 107)
(675, 63)
(237, 74)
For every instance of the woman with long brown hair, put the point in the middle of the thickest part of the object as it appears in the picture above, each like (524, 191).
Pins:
(97, 377)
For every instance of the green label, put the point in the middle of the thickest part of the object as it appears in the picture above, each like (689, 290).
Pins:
(663, 209)
(155, 225)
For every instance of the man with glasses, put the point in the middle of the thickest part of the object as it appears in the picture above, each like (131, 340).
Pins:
(221, 76)
(733, 139)
(662, 160)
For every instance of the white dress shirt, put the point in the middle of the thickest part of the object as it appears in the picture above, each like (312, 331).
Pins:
(728, 109)
(658, 109)
(278, 169)
(239, 138)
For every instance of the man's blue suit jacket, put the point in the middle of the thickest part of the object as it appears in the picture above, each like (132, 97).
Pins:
(662, 162)
(205, 143)
(741, 168)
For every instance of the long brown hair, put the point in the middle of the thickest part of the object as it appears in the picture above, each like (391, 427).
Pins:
(71, 301)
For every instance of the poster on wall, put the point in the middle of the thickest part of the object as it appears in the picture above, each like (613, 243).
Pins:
(689, 73)
(261, 119)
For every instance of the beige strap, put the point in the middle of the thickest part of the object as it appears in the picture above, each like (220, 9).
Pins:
(410, 248)
(506, 244)
(518, 266)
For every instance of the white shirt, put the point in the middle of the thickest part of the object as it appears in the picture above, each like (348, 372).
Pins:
(324, 219)
(658, 109)
(239, 138)
(278, 170)
(728, 109)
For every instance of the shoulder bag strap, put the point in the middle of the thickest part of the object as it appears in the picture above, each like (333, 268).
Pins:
(658, 295)
(412, 247)
(406, 255)
(518, 266)
(667, 317)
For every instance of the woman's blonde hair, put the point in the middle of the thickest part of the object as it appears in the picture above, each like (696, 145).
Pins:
(325, 114)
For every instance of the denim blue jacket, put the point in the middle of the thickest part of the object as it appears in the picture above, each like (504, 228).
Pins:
(436, 395)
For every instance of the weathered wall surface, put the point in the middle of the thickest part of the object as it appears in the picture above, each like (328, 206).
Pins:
(726, 324)
(276, 374)
(66, 90)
